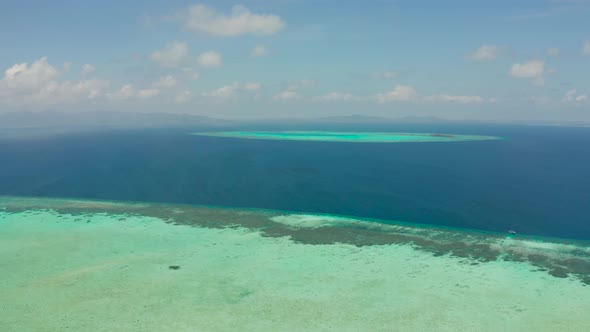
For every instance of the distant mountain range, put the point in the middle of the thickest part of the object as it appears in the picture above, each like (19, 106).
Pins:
(40, 124)
(114, 120)
(106, 120)
(49, 122)
(357, 118)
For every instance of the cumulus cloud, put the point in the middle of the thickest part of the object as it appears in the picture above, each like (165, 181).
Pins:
(191, 73)
(573, 97)
(529, 69)
(24, 77)
(223, 92)
(254, 86)
(554, 51)
(38, 83)
(259, 51)
(148, 93)
(399, 93)
(287, 95)
(172, 55)
(403, 93)
(586, 48)
(533, 70)
(336, 97)
(291, 92)
(125, 92)
(209, 59)
(69, 92)
(228, 91)
(165, 82)
(183, 97)
(240, 21)
(456, 99)
(128, 91)
(88, 69)
(485, 53)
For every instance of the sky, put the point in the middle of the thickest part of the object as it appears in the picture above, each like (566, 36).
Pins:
(466, 60)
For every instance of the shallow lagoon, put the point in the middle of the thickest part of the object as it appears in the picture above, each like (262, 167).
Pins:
(95, 265)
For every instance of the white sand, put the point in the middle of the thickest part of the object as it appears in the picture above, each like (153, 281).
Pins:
(111, 275)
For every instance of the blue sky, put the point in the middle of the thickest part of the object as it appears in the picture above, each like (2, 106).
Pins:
(488, 60)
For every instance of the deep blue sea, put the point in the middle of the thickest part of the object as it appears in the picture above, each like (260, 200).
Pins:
(535, 181)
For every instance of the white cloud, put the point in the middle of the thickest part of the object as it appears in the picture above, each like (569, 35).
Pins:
(165, 82)
(240, 21)
(24, 77)
(336, 97)
(456, 99)
(399, 93)
(484, 53)
(125, 92)
(533, 70)
(570, 96)
(573, 97)
(287, 95)
(259, 51)
(67, 65)
(529, 69)
(69, 92)
(228, 91)
(209, 59)
(223, 92)
(408, 93)
(128, 91)
(88, 69)
(183, 97)
(554, 51)
(172, 55)
(291, 92)
(191, 73)
(253, 86)
(147, 93)
(586, 48)
(37, 83)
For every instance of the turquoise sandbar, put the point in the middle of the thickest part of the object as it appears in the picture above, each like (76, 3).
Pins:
(361, 137)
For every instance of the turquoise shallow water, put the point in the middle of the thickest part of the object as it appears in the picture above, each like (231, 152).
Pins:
(99, 265)
(360, 137)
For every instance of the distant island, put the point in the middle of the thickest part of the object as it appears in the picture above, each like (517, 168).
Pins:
(359, 137)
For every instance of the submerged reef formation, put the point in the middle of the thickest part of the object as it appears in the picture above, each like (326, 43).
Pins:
(560, 258)
(97, 265)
